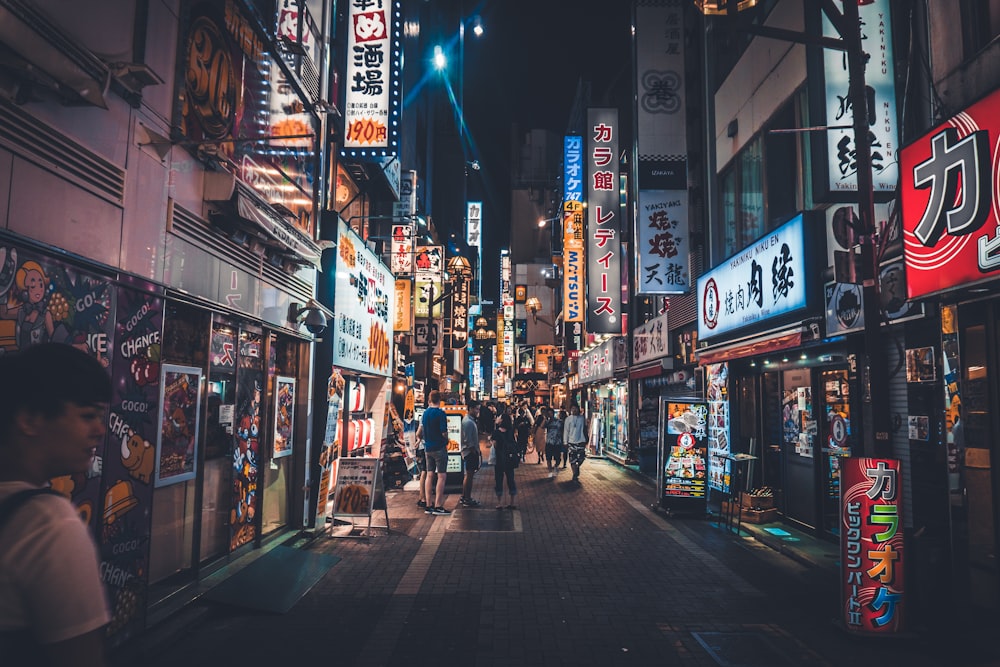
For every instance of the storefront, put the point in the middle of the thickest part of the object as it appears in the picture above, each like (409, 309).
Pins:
(601, 371)
(779, 396)
(650, 359)
(359, 386)
(951, 242)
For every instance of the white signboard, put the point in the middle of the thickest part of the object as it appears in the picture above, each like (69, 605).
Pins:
(651, 340)
(364, 301)
(372, 92)
(765, 280)
(876, 40)
(401, 256)
(474, 230)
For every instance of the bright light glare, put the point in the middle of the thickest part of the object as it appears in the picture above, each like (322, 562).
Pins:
(541, 223)
(440, 61)
(477, 29)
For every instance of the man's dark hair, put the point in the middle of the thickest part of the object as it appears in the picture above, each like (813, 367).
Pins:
(45, 377)
(434, 397)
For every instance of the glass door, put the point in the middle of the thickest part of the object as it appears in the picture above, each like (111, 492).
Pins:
(836, 440)
(799, 435)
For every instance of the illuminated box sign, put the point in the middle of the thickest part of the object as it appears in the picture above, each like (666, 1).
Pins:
(876, 41)
(950, 216)
(458, 309)
(764, 281)
(401, 255)
(474, 228)
(598, 363)
(403, 313)
(574, 262)
(604, 266)
(372, 98)
(871, 542)
(651, 340)
(661, 222)
(572, 168)
(364, 296)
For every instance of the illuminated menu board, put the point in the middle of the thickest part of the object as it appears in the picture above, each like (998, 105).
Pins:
(684, 429)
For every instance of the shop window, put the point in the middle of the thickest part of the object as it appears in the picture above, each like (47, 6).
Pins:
(741, 187)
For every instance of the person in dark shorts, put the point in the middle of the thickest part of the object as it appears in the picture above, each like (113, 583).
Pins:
(434, 432)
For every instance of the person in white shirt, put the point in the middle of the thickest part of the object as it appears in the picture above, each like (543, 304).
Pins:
(575, 440)
(53, 415)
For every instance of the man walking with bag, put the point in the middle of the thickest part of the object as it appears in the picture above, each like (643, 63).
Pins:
(575, 437)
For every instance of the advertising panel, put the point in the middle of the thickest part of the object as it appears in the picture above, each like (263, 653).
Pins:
(458, 311)
(355, 490)
(573, 229)
(872, 546)
(284, 416)
(230, 87)
(403, 312)
(604, 266)
(651, 340)
(364, 300)
(735, 294)
(428, 289)
(401, 253)
(717, 391)
(951, 210)
(684, 434)
(662, 217)
(372, 96)
(598, 363)
(474, 224)
(876, 41)
(180, 398)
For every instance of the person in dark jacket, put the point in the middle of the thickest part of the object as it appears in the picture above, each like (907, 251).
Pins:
(522, 432)
(507, 457)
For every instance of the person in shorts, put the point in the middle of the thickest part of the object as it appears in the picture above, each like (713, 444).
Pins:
(434, 433)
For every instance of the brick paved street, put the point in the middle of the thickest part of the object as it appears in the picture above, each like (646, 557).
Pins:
(582, 574)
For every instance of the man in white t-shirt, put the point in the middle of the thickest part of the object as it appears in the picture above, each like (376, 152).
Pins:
(53, 415)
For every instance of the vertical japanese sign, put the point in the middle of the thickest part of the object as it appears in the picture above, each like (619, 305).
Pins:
(871, 541)
(458, 311)
(401, 256)
(880, 95)
(951, 208)
(403, 313)
(573, 229)
(603, 224)
(373, 93)
(474, 224)
(661, 235)
(505, 349)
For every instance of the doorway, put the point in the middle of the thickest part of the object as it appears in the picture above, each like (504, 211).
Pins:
(799, 432)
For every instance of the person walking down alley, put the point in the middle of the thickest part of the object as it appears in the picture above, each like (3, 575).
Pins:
(471, 457)
(507, 458)
(53, 415)
(538, 437)
(434, 432)
(522, 432)
(554, 439)
(575, 439)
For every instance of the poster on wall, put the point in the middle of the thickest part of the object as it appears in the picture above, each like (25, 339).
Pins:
(872, 546)
(246, 453)
(717, 391)
(131, 456)
(284, 415)
(176, 443)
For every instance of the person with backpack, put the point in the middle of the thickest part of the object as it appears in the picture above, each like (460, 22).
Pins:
(53, 418)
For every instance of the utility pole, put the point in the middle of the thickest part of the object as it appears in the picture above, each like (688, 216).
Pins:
(873, 367)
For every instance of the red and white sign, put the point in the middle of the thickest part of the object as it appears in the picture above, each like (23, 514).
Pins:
(950, 182)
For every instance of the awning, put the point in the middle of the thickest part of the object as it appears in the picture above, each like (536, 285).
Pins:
(751, 347)
(253, 209)
(651, 370)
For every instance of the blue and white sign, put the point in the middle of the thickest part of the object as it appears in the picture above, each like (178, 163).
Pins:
(765, 280)
(572, 168)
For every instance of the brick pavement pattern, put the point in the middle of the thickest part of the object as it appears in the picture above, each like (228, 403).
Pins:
(589, 574)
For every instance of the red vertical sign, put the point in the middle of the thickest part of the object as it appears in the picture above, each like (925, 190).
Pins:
(871, 543)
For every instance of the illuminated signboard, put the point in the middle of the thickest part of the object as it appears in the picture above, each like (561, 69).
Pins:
(872, 546)
(474, 225)
(661, 222)
(876, 40)
(763, 281)
(363, 303)
(950, 215)
(604, 266)
(371, 110)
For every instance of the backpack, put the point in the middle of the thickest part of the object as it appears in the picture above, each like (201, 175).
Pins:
(13, 502)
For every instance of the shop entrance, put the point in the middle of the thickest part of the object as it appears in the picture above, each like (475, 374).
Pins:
(799, 431)
(974, 434)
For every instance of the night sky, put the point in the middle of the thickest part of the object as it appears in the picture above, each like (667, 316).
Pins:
(524, 70)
